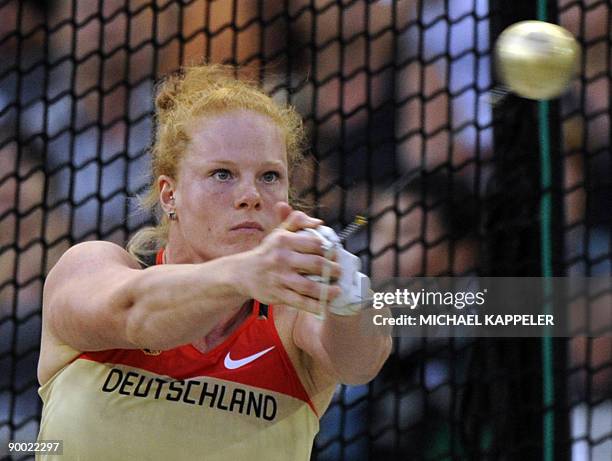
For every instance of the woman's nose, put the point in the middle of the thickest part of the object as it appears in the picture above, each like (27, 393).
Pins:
(248, 197)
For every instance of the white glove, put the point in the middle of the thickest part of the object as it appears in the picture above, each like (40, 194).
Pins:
(353, 283)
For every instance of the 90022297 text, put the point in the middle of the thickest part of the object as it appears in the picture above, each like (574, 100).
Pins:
(52, 447)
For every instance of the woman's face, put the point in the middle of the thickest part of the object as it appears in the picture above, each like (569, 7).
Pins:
(233, 172)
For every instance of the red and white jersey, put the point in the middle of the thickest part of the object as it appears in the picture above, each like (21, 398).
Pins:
(242, 400)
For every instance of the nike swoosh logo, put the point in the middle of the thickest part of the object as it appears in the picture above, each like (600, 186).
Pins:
(233, 364)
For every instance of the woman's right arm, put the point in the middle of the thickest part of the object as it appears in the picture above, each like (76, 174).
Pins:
(96, 298)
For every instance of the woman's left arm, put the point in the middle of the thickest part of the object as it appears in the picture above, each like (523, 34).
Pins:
(339, 346)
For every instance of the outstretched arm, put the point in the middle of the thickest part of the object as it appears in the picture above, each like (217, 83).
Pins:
(96, 297)
(338, 347)
(343, 345)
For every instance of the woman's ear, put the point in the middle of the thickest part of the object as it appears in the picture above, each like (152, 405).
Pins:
(167, 188)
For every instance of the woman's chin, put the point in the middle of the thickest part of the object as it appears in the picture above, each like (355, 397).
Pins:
(245, 244)
(229, 248)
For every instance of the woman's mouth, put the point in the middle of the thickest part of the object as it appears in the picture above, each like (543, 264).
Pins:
(248, 226)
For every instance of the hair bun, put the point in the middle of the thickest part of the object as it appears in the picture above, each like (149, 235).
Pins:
(165, 100)
(168, 91)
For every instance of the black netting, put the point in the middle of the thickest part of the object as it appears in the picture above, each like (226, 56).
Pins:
(386, 88)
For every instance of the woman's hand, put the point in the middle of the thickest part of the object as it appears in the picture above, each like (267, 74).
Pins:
(279, 265)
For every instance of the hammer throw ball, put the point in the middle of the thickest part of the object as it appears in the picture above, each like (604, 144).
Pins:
(536, 59)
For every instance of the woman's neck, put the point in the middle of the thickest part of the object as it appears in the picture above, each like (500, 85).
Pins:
(177, 252)
(223, 329)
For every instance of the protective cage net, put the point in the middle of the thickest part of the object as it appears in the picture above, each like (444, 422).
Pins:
(386, 89)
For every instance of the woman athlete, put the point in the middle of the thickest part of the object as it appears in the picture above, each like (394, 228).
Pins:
(201, 340)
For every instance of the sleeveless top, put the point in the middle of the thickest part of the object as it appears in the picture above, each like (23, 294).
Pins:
(242, 400)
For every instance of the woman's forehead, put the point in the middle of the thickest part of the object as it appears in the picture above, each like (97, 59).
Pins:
(237, 135)
(237, 122)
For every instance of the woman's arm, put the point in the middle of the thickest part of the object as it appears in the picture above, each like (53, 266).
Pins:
(339, 349)
(96, 297)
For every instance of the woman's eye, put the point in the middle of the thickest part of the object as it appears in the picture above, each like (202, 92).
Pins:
(270, 176)
(222, 175)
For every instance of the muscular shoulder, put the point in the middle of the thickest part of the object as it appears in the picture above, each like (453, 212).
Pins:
(73, 291)
(84, 263)
(95, 253)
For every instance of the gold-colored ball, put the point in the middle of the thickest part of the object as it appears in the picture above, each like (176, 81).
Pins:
(537, 59)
